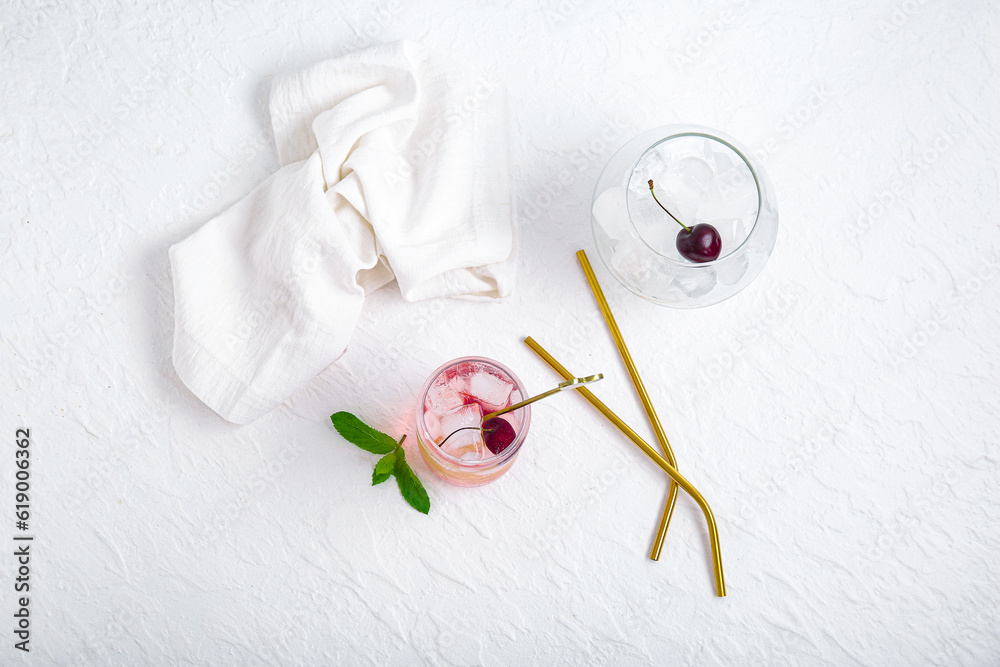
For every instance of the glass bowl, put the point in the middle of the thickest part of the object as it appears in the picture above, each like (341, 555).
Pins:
(701, 176)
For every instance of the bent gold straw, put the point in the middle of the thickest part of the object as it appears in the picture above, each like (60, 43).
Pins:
(668, 453)
(713, 533)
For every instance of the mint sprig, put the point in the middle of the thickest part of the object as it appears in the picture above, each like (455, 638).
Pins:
(392, 463)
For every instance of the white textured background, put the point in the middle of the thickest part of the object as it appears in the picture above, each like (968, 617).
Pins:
(839, 414)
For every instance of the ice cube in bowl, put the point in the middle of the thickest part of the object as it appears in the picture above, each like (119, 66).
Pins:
(489, 390)
(441, 398)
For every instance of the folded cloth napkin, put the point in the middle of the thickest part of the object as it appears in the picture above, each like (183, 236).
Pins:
(394, 165)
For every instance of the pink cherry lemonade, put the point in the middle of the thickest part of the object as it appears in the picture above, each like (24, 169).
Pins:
(457, 396)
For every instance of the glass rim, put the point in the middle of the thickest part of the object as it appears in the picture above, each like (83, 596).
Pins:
(705, 134)
(431, 447)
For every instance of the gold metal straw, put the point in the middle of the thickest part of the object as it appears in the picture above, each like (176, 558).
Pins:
(571, 383)
(713, 533)
(668, 453)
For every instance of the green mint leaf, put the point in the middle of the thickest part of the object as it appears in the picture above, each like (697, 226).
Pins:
(361, 434)
(384, 468)
(411, 488)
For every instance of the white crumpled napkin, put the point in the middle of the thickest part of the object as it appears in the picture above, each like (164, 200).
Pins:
(394, 165)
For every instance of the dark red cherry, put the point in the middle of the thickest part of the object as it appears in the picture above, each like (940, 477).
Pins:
(701, 244)
(498, 434)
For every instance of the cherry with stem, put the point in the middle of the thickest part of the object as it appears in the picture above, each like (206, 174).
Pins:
(700, 243)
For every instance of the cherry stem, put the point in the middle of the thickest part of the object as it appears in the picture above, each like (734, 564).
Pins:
(686, 228)
(466, 428)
